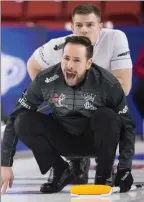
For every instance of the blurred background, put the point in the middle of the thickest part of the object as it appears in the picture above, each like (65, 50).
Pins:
(26, 25)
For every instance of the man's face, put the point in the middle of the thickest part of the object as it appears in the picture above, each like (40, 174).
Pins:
(74, 63)
(87, 25)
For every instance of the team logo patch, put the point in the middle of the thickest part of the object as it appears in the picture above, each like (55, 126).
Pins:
(89, 101)
(59, 100)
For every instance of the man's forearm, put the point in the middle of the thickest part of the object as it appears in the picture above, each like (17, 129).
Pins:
(33, 72)
(125, 86)
(124, 76)
(8, 145)
(33, 67)
(127, 149)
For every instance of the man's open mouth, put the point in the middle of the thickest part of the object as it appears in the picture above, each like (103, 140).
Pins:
(70, 75)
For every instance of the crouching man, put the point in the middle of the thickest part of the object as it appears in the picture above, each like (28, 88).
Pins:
(90, 118)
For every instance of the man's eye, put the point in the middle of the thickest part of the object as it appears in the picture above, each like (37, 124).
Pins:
(66, 58)
(90, 25)
(76, 60)
(79, 25)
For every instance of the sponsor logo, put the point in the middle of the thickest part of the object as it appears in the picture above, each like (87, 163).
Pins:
(22, 101)
(125, 176)
(58, 47)
(52, 78)
(123, 54)
(125, 109)
(41, 52)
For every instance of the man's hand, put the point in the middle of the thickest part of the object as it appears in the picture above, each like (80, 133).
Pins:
(124, 180)
(6, 178)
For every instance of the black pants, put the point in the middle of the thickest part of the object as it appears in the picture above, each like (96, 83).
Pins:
(48, 140)
(138, 97)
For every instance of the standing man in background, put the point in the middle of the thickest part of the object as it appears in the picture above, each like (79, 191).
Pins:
(111, 51)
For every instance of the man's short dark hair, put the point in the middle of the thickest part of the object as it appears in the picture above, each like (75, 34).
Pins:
(82, 40)
(86, 9)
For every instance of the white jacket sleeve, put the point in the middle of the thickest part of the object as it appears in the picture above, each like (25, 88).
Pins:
(46, 55)
(121, 58)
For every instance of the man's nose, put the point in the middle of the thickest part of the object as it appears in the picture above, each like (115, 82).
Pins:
(69, 66)
(84, 30)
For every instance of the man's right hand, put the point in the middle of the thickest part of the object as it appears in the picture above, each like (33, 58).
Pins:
(7, 178)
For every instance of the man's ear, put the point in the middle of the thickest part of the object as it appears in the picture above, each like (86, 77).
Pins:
(89, 63)
(101, 25)
(72, 27)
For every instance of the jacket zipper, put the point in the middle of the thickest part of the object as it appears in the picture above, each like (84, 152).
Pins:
(74, 99)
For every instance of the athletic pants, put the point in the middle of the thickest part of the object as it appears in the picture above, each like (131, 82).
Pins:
(48, 140)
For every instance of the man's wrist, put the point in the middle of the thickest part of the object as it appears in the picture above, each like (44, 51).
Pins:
(125, 165)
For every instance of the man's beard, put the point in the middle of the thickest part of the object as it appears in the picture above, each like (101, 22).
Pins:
(81, 78)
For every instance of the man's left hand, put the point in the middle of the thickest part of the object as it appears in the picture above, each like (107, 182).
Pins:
(124, 180)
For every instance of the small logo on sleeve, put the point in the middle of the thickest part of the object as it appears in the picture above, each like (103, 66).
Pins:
(125, 109)
(124, 54)
(58, 47)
